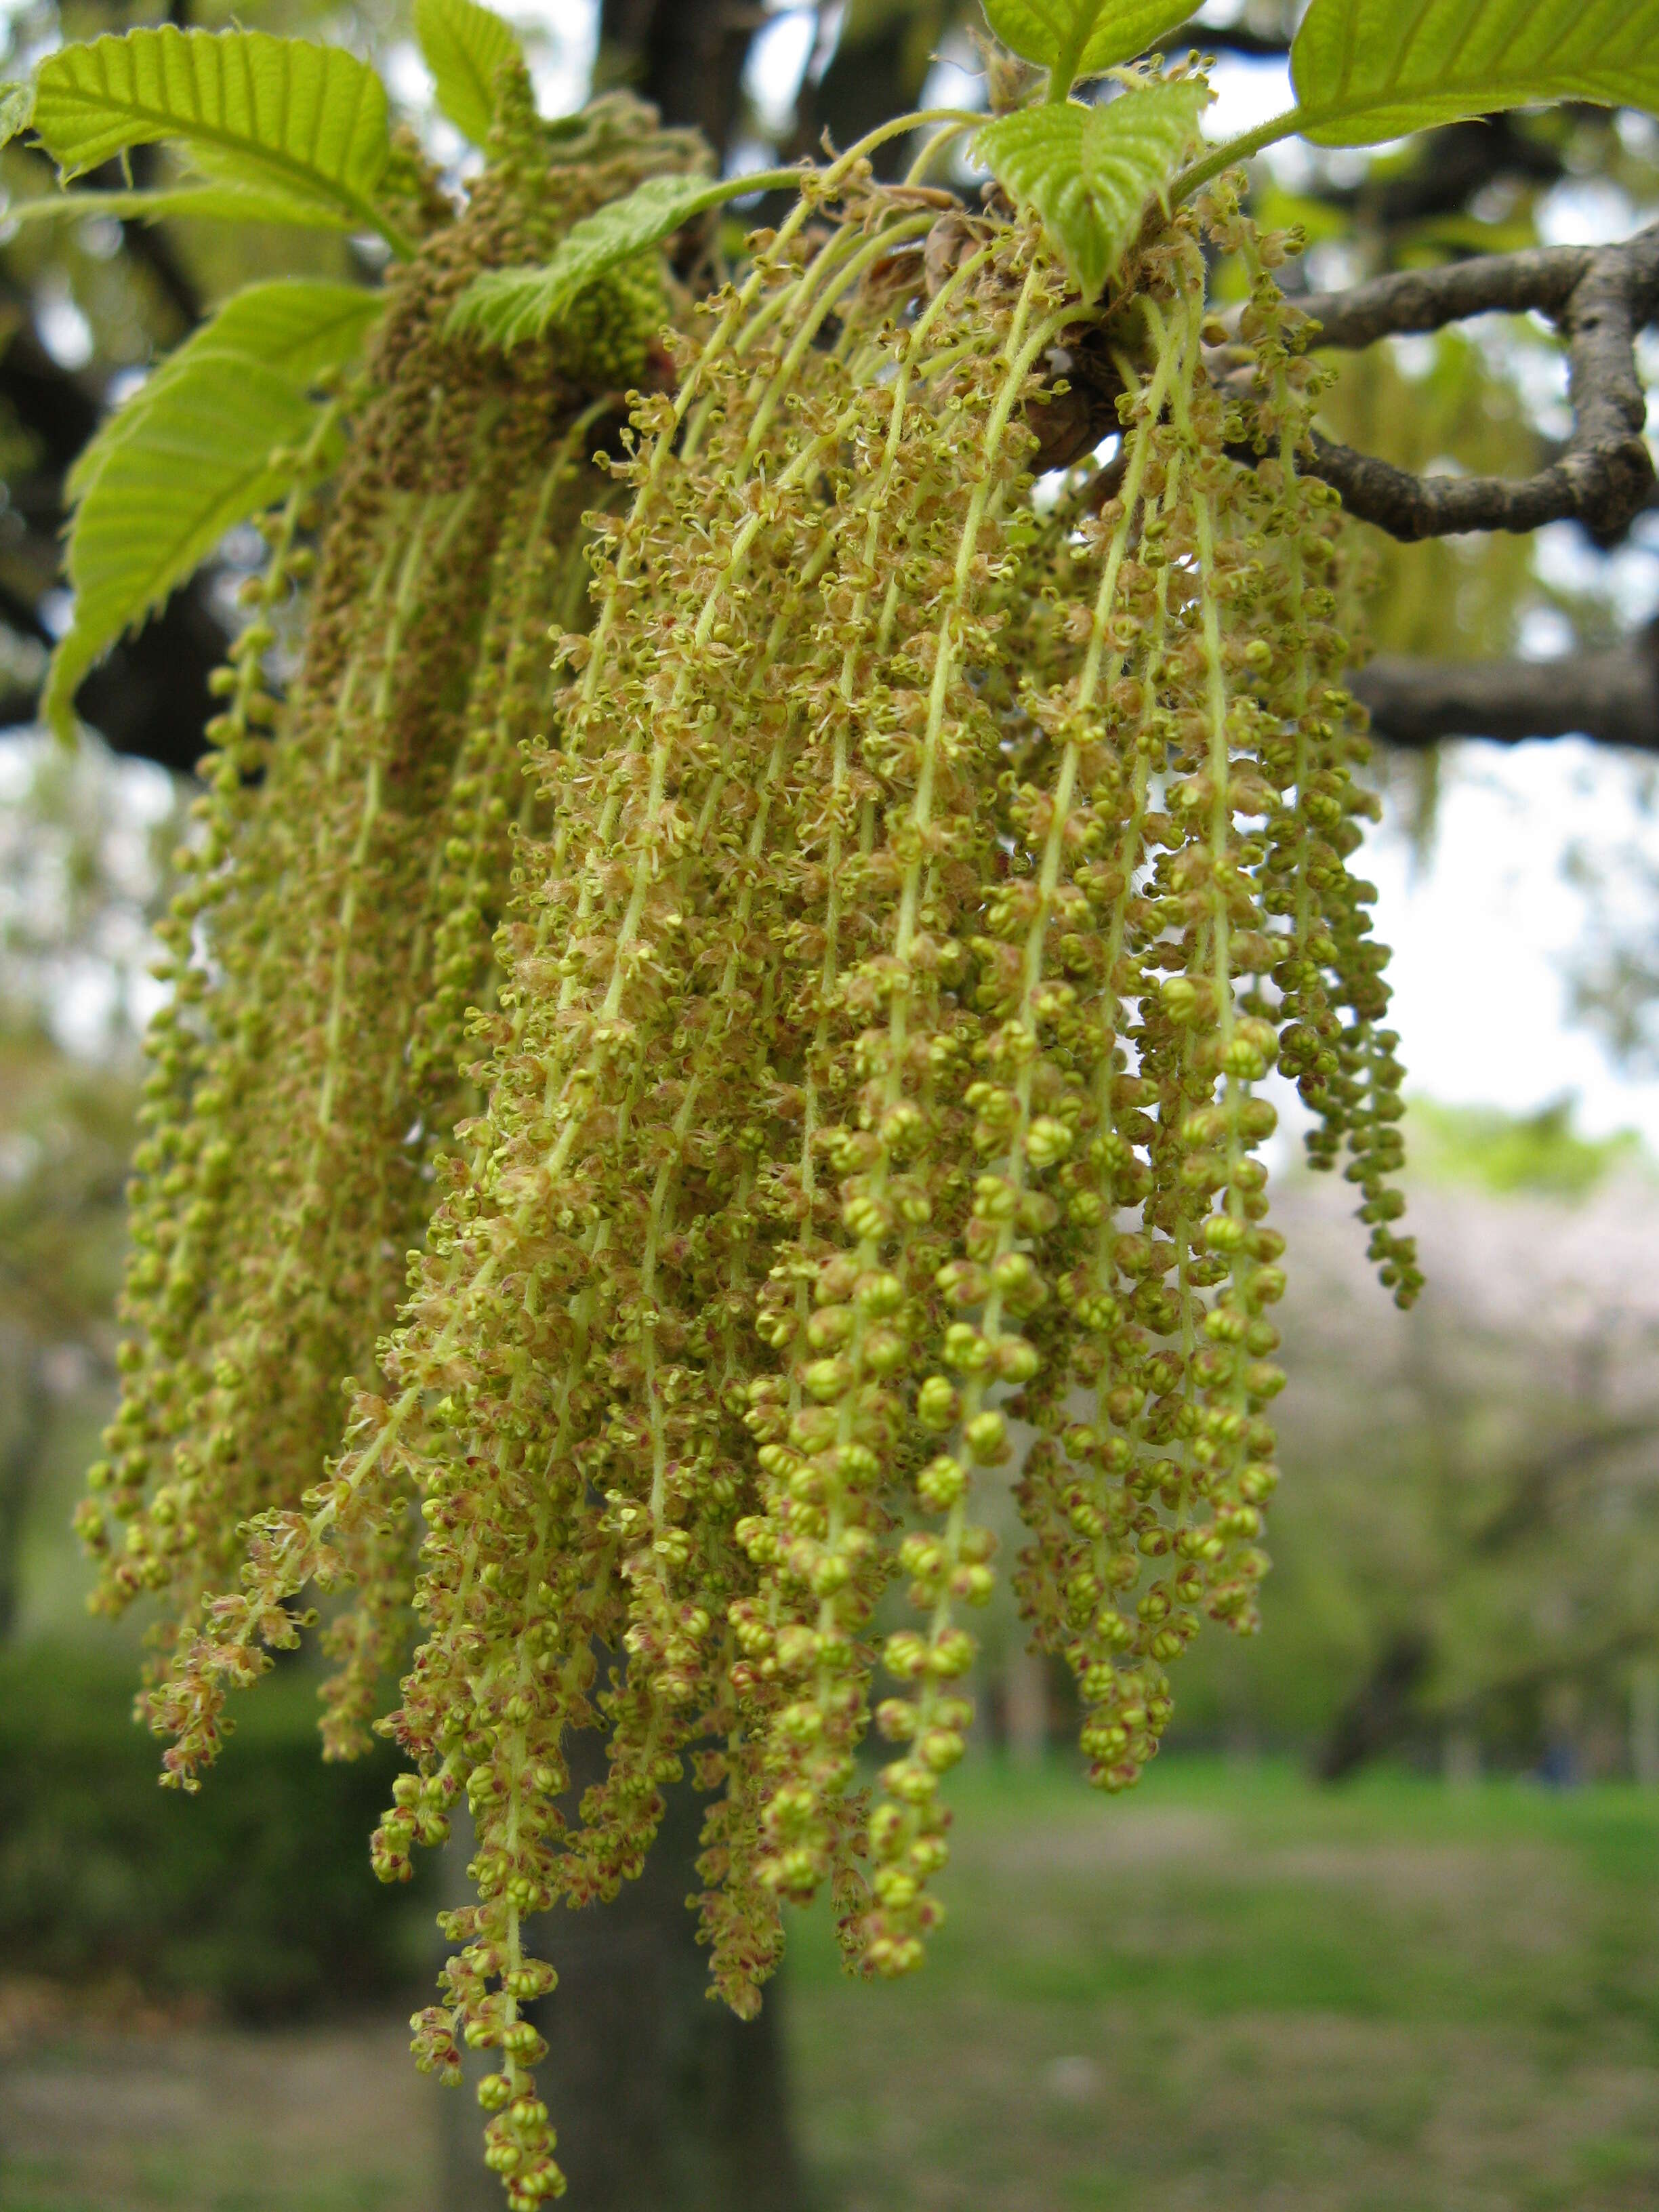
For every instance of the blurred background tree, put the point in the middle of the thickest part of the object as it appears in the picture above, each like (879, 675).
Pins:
(1466, 1553)
(84, 841)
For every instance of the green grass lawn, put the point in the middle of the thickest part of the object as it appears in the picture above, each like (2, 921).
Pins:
(1231, 1990)
(1228, 1990)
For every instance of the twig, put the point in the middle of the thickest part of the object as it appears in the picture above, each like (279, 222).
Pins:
(1539, 276)
(1611, 696)
(1599, 297)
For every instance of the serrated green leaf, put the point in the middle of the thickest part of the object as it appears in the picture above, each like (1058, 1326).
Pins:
(463, 46)
(253, 111)
(17, 102)
(1080, 37)
(297, 326)
(1091, 171)
(162, 498)
(213, 202)
(506, 307)
(190, 455)
(1365, 71)
(1130, 28)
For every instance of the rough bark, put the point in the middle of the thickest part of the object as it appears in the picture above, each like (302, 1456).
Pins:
(669, 2103)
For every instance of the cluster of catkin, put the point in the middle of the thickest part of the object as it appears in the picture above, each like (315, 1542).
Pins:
(334, 925)
(916, 869)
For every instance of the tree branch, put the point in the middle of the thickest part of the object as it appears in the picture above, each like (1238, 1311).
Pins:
(685, 56)
(1599, 297)
(1611, 696)
(1539, 276)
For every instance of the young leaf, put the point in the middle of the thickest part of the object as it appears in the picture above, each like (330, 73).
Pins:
(296, 327)
(165, 494)
(190, 455)
(254, 111)
(1079, 38)
(301, 325)
(1365, 71)
(505, 307)
(1090, 172)
(464, 45)
(15, 103)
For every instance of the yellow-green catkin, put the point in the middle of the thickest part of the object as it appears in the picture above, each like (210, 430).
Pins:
(338, 913)
(806, 1044)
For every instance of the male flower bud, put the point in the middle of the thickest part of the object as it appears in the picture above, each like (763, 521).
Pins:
(879, 1294)
(922, 1557)
(936, 1404)
(895, 1889)
(963, 1283)
(1047, 1141)
(1018, 1280)
(950, 1655)
(911, 1781)
(884, 1351)
(928, 1855)
(1014, 1360)
(1179, 994)
(995, 1198)
(826, 1379)
(987, 1437)
(941, 1483)
(829, 1573)
(897, 1719)
(939, 1749)
(973, 1585)
(965, 1349)
(829, 1328)
(903, 1126)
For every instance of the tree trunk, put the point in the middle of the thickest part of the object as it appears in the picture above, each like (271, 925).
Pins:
(1644, 1725)
(1026, 1692)
(27, 1427)
(685, 56)
(1378, 1713)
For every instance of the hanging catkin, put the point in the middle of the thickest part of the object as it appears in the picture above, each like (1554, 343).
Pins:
(811, 1045)
(338, 911)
